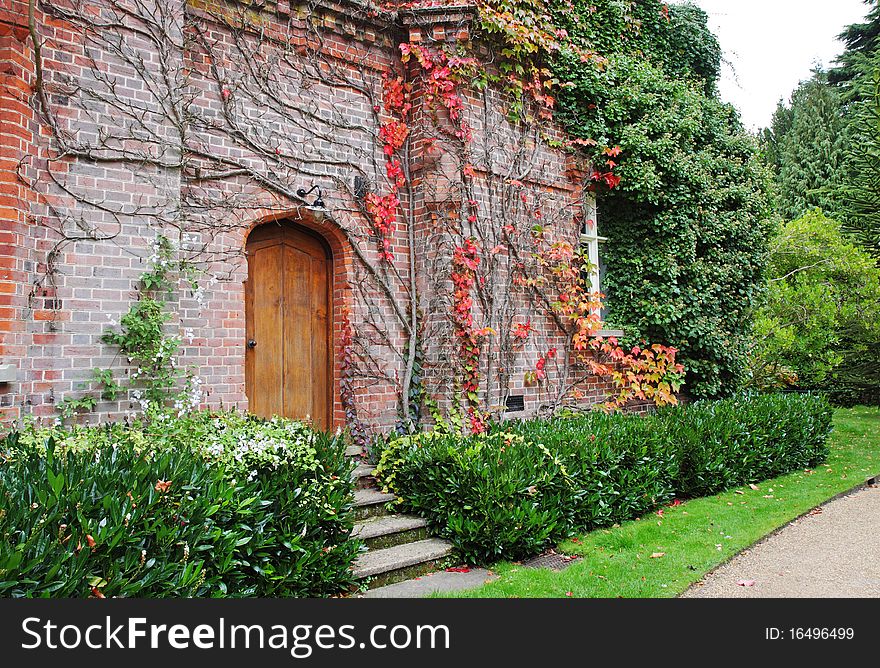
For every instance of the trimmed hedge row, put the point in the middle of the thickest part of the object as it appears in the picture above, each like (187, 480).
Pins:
(525, 486)
(209, 505)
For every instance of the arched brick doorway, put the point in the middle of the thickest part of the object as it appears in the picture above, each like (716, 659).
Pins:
(288, 310)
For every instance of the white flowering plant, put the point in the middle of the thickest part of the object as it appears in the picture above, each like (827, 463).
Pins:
(204, 504)
(155, 380)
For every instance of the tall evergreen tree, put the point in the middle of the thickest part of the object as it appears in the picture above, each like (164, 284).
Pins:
(860, 193)
(861, 42)
(807, 146)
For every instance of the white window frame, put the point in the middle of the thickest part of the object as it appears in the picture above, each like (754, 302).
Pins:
(590, 240)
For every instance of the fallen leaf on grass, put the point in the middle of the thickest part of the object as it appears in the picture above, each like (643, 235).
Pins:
(746, 583)
(754, 486)
(657, 555)
(739, 491)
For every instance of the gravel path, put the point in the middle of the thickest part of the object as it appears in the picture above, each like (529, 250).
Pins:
(832, 553)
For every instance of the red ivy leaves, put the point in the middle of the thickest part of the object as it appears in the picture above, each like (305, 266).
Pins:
(382, 209)
(605, 175)
(393, 135)
(465, 261)
(383, 215)
(521, 330)
(648, 374)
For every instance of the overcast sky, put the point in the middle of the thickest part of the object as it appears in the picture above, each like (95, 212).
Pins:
(771, 45)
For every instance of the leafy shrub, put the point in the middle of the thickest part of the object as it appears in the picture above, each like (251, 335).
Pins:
(745, 439)
(819, 327)
(620, 465)
(207, 505)
(494, 495)
(524, 486)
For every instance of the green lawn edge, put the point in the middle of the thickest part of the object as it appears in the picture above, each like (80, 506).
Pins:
(697, 536)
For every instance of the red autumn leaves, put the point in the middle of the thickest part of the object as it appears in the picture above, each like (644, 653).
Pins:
(465, 261)
(605, 175)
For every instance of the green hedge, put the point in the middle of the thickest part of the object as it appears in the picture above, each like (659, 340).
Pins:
(207, 505)
(522, 488)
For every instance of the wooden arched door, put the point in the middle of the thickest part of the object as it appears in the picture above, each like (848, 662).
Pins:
(288, 332)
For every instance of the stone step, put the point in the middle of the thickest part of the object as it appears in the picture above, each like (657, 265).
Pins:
(390, 530)
(401, 562)
(363, 476)
(354, 451)
(370, 503)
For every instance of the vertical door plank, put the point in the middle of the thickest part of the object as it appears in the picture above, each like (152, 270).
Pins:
(268, 299)
(297, 318)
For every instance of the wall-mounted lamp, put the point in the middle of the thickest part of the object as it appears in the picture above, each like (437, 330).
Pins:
(318, 203)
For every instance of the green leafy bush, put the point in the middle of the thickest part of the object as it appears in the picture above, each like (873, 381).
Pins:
(523, 487)
(495, 495)
(744, 439)
(819, 326)
(206, 505)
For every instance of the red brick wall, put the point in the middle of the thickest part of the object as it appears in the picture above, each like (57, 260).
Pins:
(50, 329)
(17, 128)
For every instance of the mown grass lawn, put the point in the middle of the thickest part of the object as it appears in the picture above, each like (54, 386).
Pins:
(698, 535)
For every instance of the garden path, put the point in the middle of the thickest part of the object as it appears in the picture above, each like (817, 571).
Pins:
(832, 552)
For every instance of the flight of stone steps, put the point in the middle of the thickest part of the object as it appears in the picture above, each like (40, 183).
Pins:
(398, 546)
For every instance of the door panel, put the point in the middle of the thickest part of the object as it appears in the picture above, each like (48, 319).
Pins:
(287, 308)
(298, 315)
(268, 331)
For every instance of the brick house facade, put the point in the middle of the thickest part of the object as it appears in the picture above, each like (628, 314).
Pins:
(205, 121)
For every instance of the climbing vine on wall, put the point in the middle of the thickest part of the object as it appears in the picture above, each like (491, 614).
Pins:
(154, 379)
(493, 225)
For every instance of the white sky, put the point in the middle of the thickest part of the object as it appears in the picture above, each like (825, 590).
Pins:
(771, 45)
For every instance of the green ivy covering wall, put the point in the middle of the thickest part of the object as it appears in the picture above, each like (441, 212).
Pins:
(688, 224)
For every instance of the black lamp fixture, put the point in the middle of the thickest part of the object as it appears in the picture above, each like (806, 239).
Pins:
(318, 203)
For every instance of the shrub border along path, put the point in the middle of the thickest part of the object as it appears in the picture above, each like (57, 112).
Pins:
(661, 555)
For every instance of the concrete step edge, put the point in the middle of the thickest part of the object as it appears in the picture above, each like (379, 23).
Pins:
(362, 471)
(389, 559)
(371, 497)
(387, 525)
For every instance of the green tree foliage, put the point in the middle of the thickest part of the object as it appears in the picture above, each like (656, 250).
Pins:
(862, 41)
(807, 145)
(825, 146)
(686, 225)
(820, 325)
(860, 193)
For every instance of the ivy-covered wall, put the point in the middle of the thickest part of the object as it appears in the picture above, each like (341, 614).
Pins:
(688, 223)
